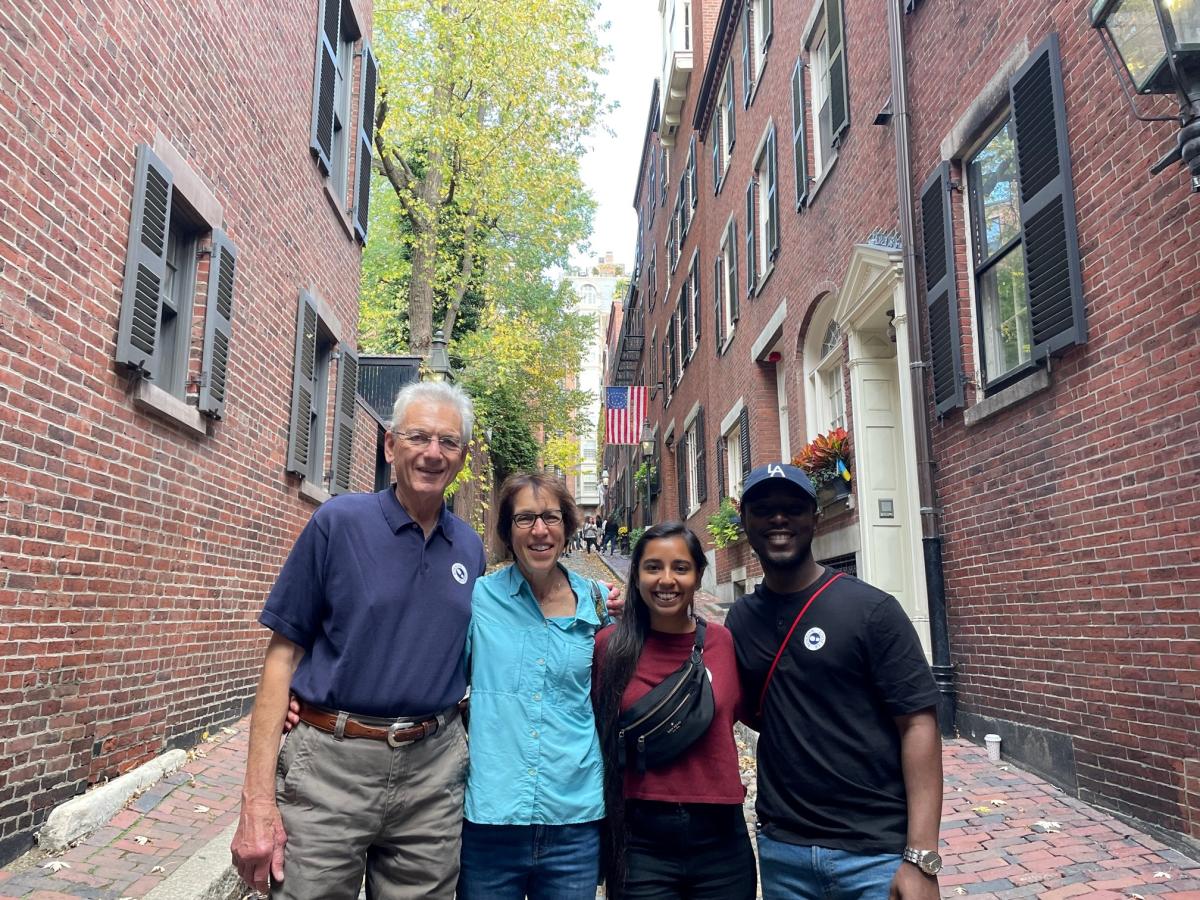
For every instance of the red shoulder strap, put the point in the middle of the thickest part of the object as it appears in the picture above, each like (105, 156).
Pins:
(779, 655)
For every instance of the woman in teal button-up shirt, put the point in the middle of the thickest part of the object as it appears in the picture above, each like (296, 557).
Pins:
(535, 785)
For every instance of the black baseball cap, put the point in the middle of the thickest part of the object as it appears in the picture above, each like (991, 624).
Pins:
(760, 480)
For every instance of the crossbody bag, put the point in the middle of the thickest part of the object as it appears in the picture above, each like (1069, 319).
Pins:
(672, 717)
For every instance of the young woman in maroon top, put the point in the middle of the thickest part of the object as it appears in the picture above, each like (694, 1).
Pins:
(677, 831)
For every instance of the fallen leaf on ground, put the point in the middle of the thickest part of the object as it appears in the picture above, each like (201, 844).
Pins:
(981, 809)
(1044, 827)
(141, 840)
(156, 870)
(1162, 874)
(999, 802)
(56, 865)
(960, 890)
(202, 809)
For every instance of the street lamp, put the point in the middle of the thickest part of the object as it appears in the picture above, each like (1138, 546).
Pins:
(647, 443)
(438, 367)
(1158, 45)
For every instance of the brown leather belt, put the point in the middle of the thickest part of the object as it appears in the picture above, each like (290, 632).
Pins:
(396, 734)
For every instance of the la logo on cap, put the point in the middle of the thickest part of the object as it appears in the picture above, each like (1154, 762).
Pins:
(775, 471)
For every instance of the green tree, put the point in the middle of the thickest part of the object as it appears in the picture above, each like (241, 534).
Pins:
(483, 107)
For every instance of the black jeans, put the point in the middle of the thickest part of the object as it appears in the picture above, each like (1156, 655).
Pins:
(688, 850)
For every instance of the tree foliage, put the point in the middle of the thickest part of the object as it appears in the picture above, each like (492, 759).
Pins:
(483, 107)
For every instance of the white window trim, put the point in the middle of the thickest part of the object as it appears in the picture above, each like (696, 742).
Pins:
(764, 265)
(727, 241)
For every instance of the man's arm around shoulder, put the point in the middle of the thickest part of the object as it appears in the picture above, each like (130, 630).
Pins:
(258, 843)
(921, 763)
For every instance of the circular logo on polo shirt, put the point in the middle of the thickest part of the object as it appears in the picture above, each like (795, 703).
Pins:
(459, 571)
(814, 639)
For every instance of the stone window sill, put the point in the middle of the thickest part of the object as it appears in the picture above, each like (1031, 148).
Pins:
(313, 492)
(1037, 382)
(154, 400)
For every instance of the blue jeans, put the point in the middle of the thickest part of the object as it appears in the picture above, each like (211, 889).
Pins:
(541, 862)
(795, 872)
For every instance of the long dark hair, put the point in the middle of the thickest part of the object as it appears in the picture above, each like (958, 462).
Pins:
(621, 656)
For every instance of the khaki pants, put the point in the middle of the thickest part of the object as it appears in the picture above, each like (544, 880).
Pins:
(359, 806)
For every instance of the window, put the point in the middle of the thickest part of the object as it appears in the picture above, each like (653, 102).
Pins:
(828, 100)
(723, 131)
(733, 456)
(725, 287)
(691, 466)
(999, 261)
(762, 213)
(690, 177)
(655, 375)
(662, 176)
(330, 138)
(173, 249)
(756, 38)
(308, 426)
(824, 363)
(1023, 244)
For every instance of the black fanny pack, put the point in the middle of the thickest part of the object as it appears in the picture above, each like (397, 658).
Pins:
(670, 718)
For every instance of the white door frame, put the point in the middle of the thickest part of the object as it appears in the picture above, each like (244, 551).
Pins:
(875, 283)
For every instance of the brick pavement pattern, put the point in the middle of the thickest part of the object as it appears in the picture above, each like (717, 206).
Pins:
(989, 842)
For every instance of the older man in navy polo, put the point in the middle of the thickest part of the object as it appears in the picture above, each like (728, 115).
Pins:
(369, 616)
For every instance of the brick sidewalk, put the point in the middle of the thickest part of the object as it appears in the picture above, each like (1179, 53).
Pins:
(988, 836)
(150, 838)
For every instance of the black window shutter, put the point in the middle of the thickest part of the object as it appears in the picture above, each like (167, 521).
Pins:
(937, 238)
(744, 440)
(799, 139)
(681, 476)
(697, 318)
(329, 32)
(735, 300)
(839, 99)
(772, 210)
(718, 293)
(1047, 203)
(767, 17)
(145, 263)
(693, 181)
(685, 318)
(701, 458)
(665, 374)
(722, 491)
(366, 133)
(730, 105)
(746, 56)
(750, 229)
(714, 138)
(303, 384)
(343, 421)
(218, 325)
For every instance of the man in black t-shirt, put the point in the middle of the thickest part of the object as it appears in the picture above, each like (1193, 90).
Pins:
(849, 756)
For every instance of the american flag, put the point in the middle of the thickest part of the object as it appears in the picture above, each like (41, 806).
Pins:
(625, 409)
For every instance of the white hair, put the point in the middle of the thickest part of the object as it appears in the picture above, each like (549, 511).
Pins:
(441, 393)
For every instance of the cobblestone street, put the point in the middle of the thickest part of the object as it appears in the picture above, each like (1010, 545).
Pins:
(1005, 832)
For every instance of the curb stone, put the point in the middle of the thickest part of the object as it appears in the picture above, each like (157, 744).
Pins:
(82, 815)
(208, 874)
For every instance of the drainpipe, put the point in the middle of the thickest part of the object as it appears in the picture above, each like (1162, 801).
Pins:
(931, 537)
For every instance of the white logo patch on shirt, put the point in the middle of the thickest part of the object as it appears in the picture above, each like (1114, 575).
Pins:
(459, 571)
(814, 639)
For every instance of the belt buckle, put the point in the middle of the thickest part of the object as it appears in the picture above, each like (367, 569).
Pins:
(393, 729)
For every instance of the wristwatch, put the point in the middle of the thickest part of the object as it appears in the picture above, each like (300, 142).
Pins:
(928, 861)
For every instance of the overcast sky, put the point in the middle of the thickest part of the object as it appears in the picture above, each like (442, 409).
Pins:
(610, 166)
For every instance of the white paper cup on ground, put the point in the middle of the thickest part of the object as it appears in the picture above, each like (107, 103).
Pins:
(993, 746)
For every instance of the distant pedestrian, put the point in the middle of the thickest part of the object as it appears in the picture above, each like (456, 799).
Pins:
(849, 756)
(610, 535)
(591, 535)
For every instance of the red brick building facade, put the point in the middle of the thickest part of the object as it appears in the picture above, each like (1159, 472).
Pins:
(1047, 552)
(180, 190)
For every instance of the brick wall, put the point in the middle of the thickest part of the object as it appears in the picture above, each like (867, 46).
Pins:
(1070, 518)
(134, 553)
